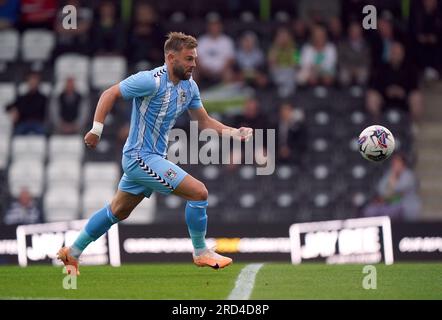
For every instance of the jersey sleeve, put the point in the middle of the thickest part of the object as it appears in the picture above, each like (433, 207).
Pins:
(140, 84)
(195, 102)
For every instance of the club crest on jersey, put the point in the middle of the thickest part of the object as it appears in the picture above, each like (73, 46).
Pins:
(182, 96)
(170, 174)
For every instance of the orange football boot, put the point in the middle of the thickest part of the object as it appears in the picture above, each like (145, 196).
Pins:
(68, 260)
(210, 258)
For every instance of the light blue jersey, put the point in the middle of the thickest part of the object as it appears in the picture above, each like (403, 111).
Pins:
(157, 103)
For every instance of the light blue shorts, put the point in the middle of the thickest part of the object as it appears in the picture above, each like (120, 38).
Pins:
(152, 173)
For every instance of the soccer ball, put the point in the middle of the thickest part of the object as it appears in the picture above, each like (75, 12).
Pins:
(376, 143)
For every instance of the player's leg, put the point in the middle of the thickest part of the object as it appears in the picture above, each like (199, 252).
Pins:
(196, 195)
(120, 208)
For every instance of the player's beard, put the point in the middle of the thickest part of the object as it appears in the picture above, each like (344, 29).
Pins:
(181, 73)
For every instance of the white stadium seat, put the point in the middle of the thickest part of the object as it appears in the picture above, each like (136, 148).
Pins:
(32, 148)
(5, 124)
(45, 88)
(72, 65)
(7, 94)
(81, 86)
(94, 199)
(66, 147)
(144, 212)
(27, 174)
(9, 40)
(107, 71)
(4, 150)
(37, 45)
(63, 172)
(61, 203)
(101, 174)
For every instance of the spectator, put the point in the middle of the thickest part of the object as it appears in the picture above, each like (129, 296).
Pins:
(383, 39)
(426, 26)
(300, 32)
(108, 33)
(335, 29)
(283, 61)
(353, 57)
(216, 52)
(24, 210)
(394, 84)
(74, 40)
(396, 193)
(28, 112)
(318, 59)
(250, 60)
(291, 134)
(251, 116)
(146, 36)
(69, 110)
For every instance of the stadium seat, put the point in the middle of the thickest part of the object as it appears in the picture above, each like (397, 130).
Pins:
(32, 148)
(94, 198)
(144, 212)
(5, 124)
(4, 150)
(37, 45)
(61, 203)
(66, 147)
(64, 172)
(81, 86)
(72, 65)
(10, 44)
(169, 208)
(7, 95)
(27, 174)
(101, 175)
(285, 178)
(45, 88)
(107, 71)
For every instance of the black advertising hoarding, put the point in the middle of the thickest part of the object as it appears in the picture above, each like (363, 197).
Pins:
(171, 242)
(417, 241)
(243, 242)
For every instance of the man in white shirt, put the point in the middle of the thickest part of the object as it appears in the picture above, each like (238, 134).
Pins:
(318, 59)
(216, 51)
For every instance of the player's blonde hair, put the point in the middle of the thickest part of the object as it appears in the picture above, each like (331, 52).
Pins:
(176, 41)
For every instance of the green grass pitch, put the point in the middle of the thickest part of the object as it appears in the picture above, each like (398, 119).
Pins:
(186, 282)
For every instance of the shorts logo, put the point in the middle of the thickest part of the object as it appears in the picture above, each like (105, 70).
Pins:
(170, 174)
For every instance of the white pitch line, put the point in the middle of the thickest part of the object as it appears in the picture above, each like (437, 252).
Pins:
(245, 282)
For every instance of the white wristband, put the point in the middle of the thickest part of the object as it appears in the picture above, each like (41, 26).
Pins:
(97, 128)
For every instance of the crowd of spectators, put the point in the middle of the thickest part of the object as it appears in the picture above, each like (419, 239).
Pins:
(299, 45)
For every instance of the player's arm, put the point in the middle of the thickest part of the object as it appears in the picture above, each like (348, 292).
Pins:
(104, 106)
(207, 122)
(141, 84)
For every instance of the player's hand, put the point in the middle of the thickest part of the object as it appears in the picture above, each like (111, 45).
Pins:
(243, 133)
(91, 140)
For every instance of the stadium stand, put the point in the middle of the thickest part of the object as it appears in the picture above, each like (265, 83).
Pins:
(331, 181)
